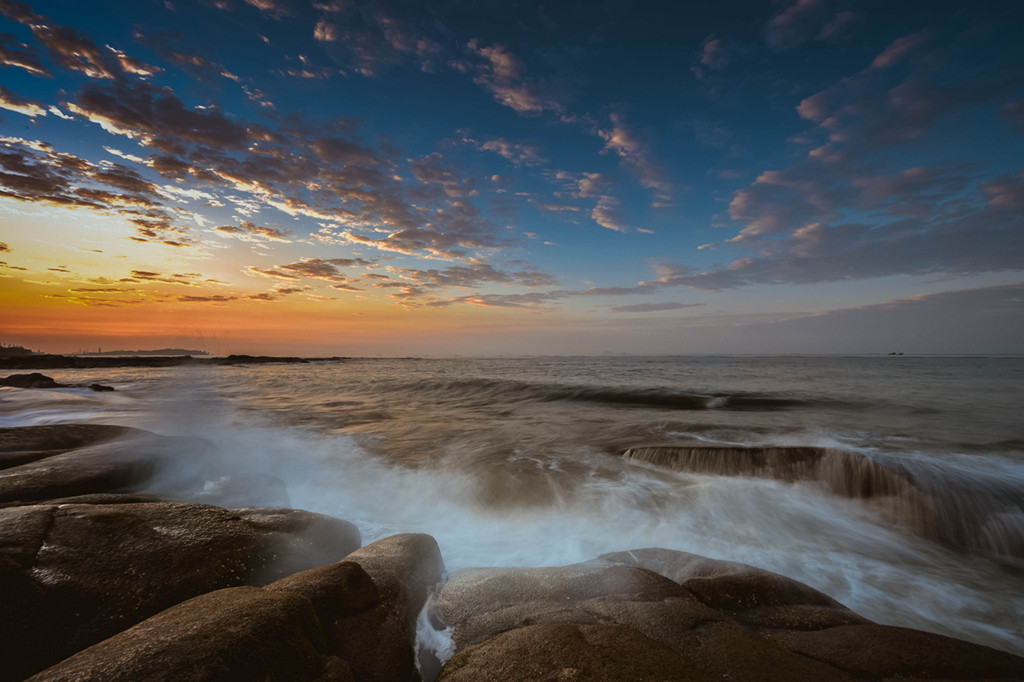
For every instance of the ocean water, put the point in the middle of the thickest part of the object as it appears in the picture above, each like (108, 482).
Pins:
(893, 484)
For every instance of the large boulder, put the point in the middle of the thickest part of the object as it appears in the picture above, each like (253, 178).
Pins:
(126, 464)
(88, 571)
(241, 633)
(405, 569)
(560, 651)
(349, 621)
(720, 619)
(21, 445)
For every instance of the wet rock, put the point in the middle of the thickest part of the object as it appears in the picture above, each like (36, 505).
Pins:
(99, 568)
(720, 619)
(405, 569)
(123, 465)
(479, 603)
(562, 651)
(37, 380)
(882, 652)
(749, 594)
(33, 380)
(241, 633)
(21, 445)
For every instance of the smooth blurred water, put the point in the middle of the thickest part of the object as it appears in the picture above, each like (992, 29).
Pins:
(516, 462)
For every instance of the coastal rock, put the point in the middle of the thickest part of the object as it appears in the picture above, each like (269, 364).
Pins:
(405, 569)
(98, 569)
(25, 444)
(241, 633)
(33, 380)
(721, 619)
(37, 380)
(338, 622)
(562, 651)
(479, 603)
(108, 466)
(748, 594)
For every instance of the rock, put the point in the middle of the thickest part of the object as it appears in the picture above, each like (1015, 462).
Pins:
(346, 621)
(751, 595)
(102, 568)
(33, 380)
(479, 603)
(21, 445)
(562, 651)
(405, 569)
(720, 619)
(123, 465)
(241, 633)
(880, 651)
(37, 380)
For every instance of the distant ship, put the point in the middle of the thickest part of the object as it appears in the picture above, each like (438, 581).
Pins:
(896, 353)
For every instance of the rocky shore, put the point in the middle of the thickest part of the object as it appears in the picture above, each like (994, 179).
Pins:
(100, 580)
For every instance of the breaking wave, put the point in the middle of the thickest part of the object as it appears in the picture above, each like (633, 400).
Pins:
(976, 514)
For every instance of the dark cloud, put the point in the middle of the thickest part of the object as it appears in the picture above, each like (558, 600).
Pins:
(652, 307)
(249, 231)
(636, 154)
(157, 118)
(19, 55)
(35, 172)
(14, 102)
(370, 38)
(505, 75)
(801, 21)
(70, 49)
(969, 240)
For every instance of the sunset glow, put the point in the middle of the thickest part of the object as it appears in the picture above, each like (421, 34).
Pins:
(395, 178)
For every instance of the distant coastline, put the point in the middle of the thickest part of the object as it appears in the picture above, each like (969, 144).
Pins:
(45, 361)
(142, 353)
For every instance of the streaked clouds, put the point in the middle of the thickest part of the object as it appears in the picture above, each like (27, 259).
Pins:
(531, 159)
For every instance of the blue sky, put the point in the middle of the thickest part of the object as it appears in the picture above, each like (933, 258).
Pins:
(511, 177)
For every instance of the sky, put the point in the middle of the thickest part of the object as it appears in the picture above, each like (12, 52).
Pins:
(335, 177)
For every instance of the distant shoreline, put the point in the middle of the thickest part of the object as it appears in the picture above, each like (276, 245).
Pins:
(103, 361)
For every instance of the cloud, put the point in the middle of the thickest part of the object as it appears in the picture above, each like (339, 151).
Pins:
(68, 48)
(1006, 192)
(608, 213)
(801, 21)
(900, 48)
(14, 102)
(373, 37)
(714, 54)
(652, 307)
(504, 74)
(982, 320)
(157, 118)
(248, 231)
(519, 154)
(636, 155)
(19, 55)
(962, 243)
(35, 172)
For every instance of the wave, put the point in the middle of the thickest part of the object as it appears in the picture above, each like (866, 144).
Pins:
(972, 513)
(497, 392)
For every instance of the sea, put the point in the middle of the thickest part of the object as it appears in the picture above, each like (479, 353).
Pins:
(894, 484)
